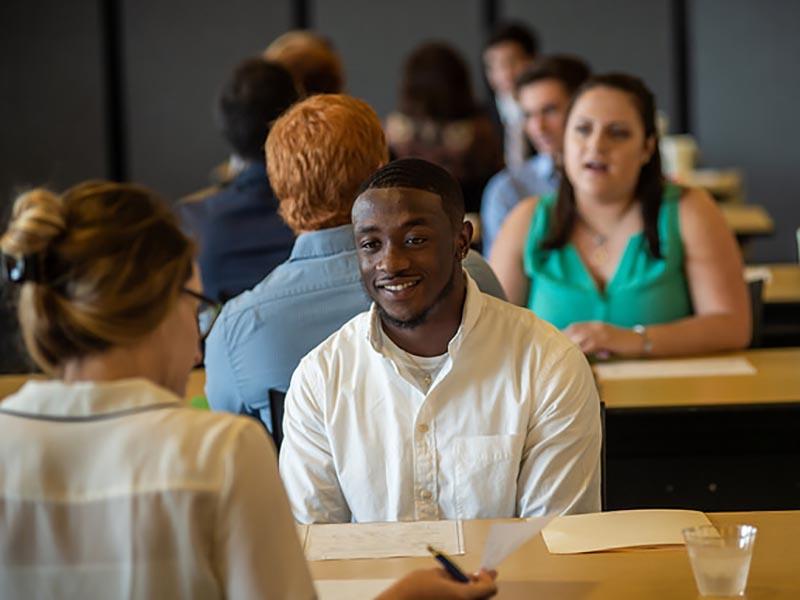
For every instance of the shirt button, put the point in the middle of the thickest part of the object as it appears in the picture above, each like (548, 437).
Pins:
(422, 428)
(425, 495)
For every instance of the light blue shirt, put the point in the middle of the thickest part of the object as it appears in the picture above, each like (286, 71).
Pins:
(537, 176)
(261, 335)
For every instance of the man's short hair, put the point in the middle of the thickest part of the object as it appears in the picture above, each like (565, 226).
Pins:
(311, 59)
(569, 70)
(419, 174)
(516, 33)
(256, 94)
(318, 153)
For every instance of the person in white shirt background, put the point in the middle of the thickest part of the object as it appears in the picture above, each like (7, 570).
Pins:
(111, 486)
(510, 50)
(440, 402)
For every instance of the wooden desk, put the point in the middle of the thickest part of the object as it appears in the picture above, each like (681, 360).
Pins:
(712, 443)
(11, 383)
(783, 284)
(654, 574)
(747, 219)
(776, 382)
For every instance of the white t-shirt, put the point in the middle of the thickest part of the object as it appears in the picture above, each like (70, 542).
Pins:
(509, 427)
(115, 490)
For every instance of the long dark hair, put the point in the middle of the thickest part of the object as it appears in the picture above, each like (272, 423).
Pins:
(436, 84)
(649, 187)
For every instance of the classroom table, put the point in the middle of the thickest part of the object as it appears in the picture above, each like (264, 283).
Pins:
(783, 285)
(710, 442)
(777, 381)
(780, 324)
(532, 573)
(747, 220)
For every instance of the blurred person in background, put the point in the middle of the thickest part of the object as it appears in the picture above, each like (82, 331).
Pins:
(311, 59)
(543, 92)
(511, 49)
(624, 262)
(236, 224)
(438, 119)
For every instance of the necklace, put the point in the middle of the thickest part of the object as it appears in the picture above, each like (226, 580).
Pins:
(599, 255)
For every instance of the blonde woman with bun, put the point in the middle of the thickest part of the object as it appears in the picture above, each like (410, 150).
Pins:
(110, 487)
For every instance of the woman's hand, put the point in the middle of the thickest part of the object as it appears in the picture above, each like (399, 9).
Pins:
(436, 584)
(602, 339)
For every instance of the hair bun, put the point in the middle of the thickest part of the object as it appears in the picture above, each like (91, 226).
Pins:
(36, 220)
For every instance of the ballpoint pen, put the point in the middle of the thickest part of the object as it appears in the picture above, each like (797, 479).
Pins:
(448, 565)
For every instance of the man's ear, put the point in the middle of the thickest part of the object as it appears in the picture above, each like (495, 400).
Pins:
(464, 239)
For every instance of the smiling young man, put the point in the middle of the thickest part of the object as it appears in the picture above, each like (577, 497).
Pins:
(440, 402)
(544, 93)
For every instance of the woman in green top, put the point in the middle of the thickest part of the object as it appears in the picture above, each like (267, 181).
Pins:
(622, 262)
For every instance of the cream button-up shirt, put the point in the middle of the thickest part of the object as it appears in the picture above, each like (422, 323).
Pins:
(116, 490)
(509, 427)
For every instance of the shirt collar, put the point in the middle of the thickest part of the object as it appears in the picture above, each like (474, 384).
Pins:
(473, 305)
(57, 399)
(325, 242)
(545, 166)
(251, 172)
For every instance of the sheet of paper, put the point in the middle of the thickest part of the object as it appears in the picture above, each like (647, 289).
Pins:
(348, 589)
(619, 529)
(688, 367)
(505, 538)
(383, 540)
(756, 273)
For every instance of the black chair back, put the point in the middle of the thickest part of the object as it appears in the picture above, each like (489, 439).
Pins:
(756, 289)
(276, 401)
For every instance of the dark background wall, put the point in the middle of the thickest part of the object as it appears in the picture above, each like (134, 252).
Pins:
(125, 88)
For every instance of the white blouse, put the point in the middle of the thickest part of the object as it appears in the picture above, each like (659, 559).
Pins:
(115, 490)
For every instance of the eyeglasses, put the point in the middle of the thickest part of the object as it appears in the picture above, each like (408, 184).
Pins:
(207, 312)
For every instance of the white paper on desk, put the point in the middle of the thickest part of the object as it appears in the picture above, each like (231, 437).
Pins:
(383, 540)
(505, 538)
(619, 529)
(687, 367)
(757, 273)
(350, 589)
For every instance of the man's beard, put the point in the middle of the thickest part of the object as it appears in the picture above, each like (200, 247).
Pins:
(421, 318)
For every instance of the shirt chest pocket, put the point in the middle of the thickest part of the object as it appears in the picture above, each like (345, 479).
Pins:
(486, 470)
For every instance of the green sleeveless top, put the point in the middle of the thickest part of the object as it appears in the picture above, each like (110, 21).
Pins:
(643, 290)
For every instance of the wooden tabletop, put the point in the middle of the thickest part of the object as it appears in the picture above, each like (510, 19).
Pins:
(747, 219)
(11, 383)
(533, 573)
(777, 381)
(783, 284)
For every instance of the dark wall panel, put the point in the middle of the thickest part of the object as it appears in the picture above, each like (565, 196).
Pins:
(177, 55)
(619, 35)
(51, 114)
(375, 37)
(51, 105)
(746, 95)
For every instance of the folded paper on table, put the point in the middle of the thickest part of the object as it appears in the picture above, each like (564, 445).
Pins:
(619, 529)
(302, 534)
(382, 540)
(505, 538)
(757, 273)
(348, 589)
(688, 367)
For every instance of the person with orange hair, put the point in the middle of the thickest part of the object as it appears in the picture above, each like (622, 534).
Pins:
(318, 153)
